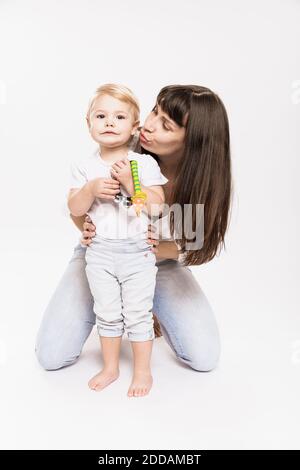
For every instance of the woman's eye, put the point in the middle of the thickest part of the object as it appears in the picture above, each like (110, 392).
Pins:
(154, 110)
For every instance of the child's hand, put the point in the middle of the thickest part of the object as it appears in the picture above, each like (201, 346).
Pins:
(121, 170)
(104, 188)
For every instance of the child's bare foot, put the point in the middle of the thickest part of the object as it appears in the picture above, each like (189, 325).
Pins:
(141, 384)
(103, 379)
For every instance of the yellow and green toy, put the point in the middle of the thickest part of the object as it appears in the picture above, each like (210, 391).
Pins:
(139, 198)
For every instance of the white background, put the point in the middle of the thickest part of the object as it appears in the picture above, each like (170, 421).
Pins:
(53, 56)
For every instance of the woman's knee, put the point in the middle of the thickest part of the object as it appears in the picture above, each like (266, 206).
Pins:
(50, 360)
(205, 363)
(205, 357)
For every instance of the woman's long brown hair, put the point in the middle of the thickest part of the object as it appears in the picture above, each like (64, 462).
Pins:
(204, 172)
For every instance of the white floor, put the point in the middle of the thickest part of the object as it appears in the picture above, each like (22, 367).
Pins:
(250, 401)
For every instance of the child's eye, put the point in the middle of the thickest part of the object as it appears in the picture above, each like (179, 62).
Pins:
(100, 116)
(120, 117)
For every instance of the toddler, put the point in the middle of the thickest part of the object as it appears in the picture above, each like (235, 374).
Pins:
(120, 265)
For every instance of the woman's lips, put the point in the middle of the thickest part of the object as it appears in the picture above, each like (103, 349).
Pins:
(143, 138)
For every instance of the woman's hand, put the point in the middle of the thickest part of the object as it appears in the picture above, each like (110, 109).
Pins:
(153, 239)
(89, 231)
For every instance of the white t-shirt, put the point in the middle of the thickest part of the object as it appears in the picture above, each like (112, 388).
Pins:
(163, 223)
(112, 219)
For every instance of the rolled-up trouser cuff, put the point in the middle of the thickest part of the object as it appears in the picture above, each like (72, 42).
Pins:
(110, 333)
(141, 336)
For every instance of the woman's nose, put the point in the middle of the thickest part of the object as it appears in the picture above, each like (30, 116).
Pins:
(149, 125)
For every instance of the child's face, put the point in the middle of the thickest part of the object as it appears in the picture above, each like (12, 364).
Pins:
(111, 122)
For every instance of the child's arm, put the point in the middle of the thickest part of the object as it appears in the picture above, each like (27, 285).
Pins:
(155, 195)
(80, 200)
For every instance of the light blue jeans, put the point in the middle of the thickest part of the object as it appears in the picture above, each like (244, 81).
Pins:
(186, 319)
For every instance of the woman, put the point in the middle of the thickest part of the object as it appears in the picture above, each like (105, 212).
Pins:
(188, 133)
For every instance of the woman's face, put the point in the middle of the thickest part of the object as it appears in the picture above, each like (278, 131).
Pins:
(161, 135)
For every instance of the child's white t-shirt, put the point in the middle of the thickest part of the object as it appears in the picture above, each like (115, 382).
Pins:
(112, 219)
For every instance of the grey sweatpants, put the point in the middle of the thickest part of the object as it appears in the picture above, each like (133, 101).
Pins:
(121, 275)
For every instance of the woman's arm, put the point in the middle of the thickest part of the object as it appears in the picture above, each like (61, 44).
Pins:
(166, 250)
(78, 221)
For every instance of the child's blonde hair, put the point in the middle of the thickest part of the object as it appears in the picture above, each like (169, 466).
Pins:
(119, 92)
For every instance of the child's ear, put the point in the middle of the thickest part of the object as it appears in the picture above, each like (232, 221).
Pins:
(135, 127)
(88, 122)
